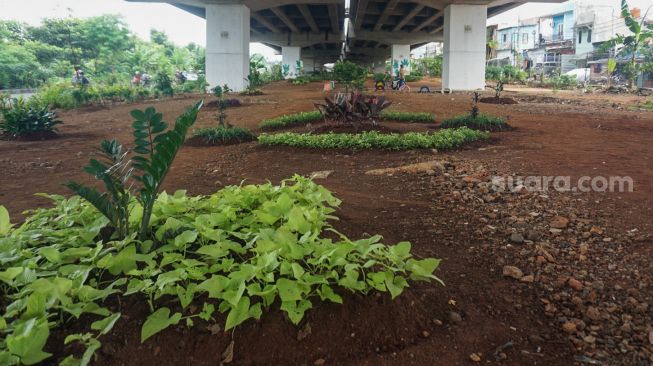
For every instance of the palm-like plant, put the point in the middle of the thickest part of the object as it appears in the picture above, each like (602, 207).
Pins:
(155, 151)
(634, 43)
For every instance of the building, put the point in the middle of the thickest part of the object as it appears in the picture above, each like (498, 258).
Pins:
(571, 37)
(544, 43)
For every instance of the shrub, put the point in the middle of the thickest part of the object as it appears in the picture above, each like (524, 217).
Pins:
(57, 96)
(483, 122)
(349, 74)
(412, 78)
(239, 252)
(163, 84)
(441, 140)
(67, 97)
(223, 135)
(291, 120)
(301, 80)
(429, 65)
(421, 117)
(21, 118)
(562, 81)
(493, 73)
(155, 151)
(353, 107)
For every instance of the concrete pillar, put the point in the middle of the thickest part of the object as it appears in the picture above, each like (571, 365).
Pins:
(400, 56)
(227, 45)
(291, 62)
(463, 66)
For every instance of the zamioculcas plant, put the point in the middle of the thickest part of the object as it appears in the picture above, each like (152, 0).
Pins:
(155, 151)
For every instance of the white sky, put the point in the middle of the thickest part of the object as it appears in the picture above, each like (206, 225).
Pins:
(182, 27)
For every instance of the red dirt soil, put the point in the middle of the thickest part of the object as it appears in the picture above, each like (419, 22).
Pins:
(587, 135)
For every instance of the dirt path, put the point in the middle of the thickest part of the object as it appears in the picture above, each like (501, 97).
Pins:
(477, 312)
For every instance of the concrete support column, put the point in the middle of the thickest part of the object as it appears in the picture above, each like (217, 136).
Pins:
(291, 62)
(227, 45)
(400, 56)
(463, 66)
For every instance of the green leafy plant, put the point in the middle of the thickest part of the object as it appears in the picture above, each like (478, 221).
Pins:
(399, 116)
(498, 88)
(559, 82)
(441, 140)
(21, 118)
(350, 75)
(236, 253)
(482, 122)
(633, 44)
(155, 150)
(353, 107)
(223, 135)
(163, 84)
(290, 120)
(612, 67)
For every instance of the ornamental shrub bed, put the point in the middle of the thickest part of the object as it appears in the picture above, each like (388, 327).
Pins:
(419, 117)
(482, 122)
(441, 140)
(291, 120)
(223, 135)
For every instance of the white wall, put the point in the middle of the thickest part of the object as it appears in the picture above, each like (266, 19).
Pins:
(227, 45)
(464, 47)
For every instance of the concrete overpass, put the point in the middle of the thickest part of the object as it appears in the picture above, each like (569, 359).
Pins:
(315, 32)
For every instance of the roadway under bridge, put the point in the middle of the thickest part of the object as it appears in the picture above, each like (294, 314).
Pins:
(310, 33)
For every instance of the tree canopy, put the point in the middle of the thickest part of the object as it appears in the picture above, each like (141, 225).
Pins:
(102, 46)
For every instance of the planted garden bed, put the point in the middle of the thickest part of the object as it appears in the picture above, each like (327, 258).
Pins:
(441, 140)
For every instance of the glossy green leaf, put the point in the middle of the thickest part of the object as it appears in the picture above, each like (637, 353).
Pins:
(158, 321)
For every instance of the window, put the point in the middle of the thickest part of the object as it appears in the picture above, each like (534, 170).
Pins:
(580, 37)
(524, 38)
(589, 36)
(505, 38)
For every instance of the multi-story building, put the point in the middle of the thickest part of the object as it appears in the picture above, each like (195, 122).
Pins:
(572, 36)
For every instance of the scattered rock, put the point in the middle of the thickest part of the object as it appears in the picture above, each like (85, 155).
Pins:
(593, 313)
(569, 327)
(528, 279)
(559, 222)
(455, 317)
(322, 174)
(512, 271)
(319, 362)
(575, 284)
(475, 357)
(516, 238)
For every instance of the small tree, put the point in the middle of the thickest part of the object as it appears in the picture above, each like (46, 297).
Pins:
(220, 92)
(633, 44)
(612, 66)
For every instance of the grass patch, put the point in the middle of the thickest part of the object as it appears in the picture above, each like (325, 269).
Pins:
(441, 140)
(419, 117)
(648, 106)
(291, 120)
(483, 122)
(224, 135)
